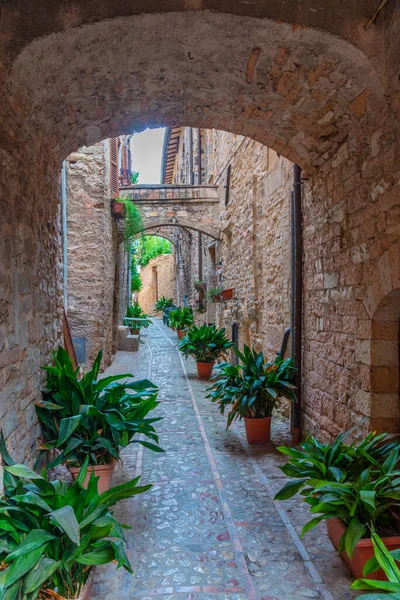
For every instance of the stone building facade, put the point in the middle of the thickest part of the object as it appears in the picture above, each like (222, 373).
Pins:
(158, 279)
(318, 84)
(97, 266)
(253, 253)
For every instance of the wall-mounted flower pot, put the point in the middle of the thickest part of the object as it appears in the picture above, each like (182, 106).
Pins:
(204, 369)
(362, 552)
(227, 294)
(258, 431)
(86, 593)
(104, 472)
(181, 333)
(118, 209)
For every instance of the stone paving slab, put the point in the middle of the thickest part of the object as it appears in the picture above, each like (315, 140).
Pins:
(209, 528)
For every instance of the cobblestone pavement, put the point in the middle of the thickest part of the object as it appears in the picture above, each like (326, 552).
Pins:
(209, 529)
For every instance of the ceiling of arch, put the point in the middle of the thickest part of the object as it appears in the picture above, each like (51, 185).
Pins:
(298, 90)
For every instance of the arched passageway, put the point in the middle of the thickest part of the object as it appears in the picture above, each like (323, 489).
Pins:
(321, 91)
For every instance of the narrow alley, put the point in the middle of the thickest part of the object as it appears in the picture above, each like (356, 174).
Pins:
(209, 529)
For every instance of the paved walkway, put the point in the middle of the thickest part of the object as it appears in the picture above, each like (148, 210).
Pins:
(209, 529)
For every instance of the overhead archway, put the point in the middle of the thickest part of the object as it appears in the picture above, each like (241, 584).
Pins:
(297, 90)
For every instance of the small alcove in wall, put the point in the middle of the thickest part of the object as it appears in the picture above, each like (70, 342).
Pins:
(385, 365)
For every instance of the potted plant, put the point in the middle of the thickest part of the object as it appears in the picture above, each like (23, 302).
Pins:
(118, 208)
(135, 312)
(205, 343)
(94, 417)
(181, 319)
(227, 294)
(125, 177)
(251, 391)
(199, 285)
(214, 294)
(163, 303)
(352, 488)
(60, 534)
(200, 308)
(386, 562)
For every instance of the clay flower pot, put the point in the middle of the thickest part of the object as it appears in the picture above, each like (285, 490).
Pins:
(105, 472)
(227, 294)
(181, 333)
(362, 552)
(204, 369)
(134, 331)
(85, 594)
(118, 208)
(258, 431)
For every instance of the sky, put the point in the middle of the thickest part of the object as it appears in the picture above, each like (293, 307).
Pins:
(146, 154)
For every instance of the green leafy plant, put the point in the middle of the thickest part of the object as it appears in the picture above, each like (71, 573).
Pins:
(135, 177)
(94, 417)
(163, 303)
(214, 294)
(205, 343)
(387, 561)
(181, 318)
(133, 221)
(199, 285)
(252, 388)
(51, 535)
(136, 280)
(135, 312)
(358, 483)
(150, 246)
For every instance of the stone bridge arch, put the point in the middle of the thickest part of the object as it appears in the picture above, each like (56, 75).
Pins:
(184, 206)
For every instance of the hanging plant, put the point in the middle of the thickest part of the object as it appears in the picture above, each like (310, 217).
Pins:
(133, 220)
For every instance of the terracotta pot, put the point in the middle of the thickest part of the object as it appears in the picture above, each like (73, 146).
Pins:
(258, 431)
(85, 594)
(180, 333)
(205, 369)
(362, 552)
(118, 208)
(105, 472)
(134, 331)
(227, 294)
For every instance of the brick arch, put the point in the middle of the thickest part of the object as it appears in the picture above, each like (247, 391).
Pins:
(385, 365)
(298, 90)
(386, 279)
(183, 224)
(381, 351)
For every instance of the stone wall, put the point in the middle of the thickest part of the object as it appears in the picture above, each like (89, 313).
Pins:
(30, 277)
(320, 87)
(97, 276)
(158, 279)
(253, 256)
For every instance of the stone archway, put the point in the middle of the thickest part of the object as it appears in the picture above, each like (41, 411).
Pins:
(300, 97)
(321, 90)
(183, 206)
(381, 352)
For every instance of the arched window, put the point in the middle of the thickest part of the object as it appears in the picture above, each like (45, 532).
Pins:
(385, 365)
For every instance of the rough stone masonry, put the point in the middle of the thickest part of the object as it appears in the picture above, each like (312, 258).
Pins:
(319, 85)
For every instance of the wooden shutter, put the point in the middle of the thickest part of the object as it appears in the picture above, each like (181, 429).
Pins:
(69, 346)
(114, 175)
